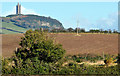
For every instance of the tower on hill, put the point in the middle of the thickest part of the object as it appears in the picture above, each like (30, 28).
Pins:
(18, 9)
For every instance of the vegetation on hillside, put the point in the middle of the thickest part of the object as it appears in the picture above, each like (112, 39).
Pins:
(8, 28)
(33, 21)
(21, 23)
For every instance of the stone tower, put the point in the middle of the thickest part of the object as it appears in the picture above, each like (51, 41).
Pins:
(18, 9)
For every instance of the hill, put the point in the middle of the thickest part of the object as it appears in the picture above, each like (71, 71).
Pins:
(21, 23)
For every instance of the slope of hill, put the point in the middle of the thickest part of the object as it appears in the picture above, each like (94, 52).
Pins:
(11, 28)
(21, 23)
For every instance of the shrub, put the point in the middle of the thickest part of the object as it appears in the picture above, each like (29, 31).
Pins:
(71, 64)
(78, 60)
(108, 61)
(118, 57)
(38, 44)
(37, 55)
(74, 57)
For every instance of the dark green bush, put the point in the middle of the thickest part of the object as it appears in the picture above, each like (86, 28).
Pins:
(38, 44)
(78, 60)
(35, 66)
(37, 55)
(74, 57)
(71, 64)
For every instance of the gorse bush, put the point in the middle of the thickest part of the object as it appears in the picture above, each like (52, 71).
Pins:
(78, 60)
(37, 55)
(38, 44)
(33, 66)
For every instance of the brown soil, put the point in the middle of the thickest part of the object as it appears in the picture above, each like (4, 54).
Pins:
(86, 43)
(9, 43)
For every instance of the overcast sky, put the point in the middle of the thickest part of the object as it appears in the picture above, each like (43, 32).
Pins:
(91, 15)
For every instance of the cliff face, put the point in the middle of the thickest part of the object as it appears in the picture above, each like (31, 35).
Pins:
(33, 21)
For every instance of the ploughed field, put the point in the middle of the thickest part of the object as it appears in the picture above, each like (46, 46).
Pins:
(84, 44)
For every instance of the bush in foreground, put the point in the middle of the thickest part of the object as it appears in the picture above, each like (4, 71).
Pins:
(38, 45)
(34, 66)
(37, 55)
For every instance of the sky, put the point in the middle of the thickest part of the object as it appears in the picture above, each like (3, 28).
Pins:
(91, 15)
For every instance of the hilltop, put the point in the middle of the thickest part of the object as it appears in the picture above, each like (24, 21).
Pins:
(21, 23)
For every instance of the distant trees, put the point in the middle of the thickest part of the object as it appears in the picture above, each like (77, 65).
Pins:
(102, 31)
(94, 31)
(82, 30)
(58, 30)
(77, 29)
(70, 29)
(110, 31)
(114, 31)
(105, 31)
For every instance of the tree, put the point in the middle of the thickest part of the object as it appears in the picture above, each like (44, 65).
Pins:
(115, 31)
(82, 30)
(94, 31)
(70, 29)
(105, 31)
(91, 31)
(36, 44)
(110, 31)
(101, 30)
(54, 30)
(76, 30)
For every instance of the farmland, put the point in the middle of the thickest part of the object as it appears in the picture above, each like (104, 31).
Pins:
(84, 44)
(38, 53)
(10, 28)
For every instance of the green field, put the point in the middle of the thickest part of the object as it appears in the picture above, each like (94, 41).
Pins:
(8, 32)
(11, 28)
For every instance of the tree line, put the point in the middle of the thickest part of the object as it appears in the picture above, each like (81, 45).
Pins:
(82, 30)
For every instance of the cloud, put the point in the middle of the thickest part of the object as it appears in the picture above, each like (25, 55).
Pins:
(111, 22)
(23, 11)
(28, 11)
(83, 22)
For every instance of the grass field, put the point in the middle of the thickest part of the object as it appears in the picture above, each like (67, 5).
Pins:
(7, 32)
(10, 28)
(83, 44)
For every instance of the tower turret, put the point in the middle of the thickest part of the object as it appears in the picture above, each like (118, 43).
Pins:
(18, 9)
